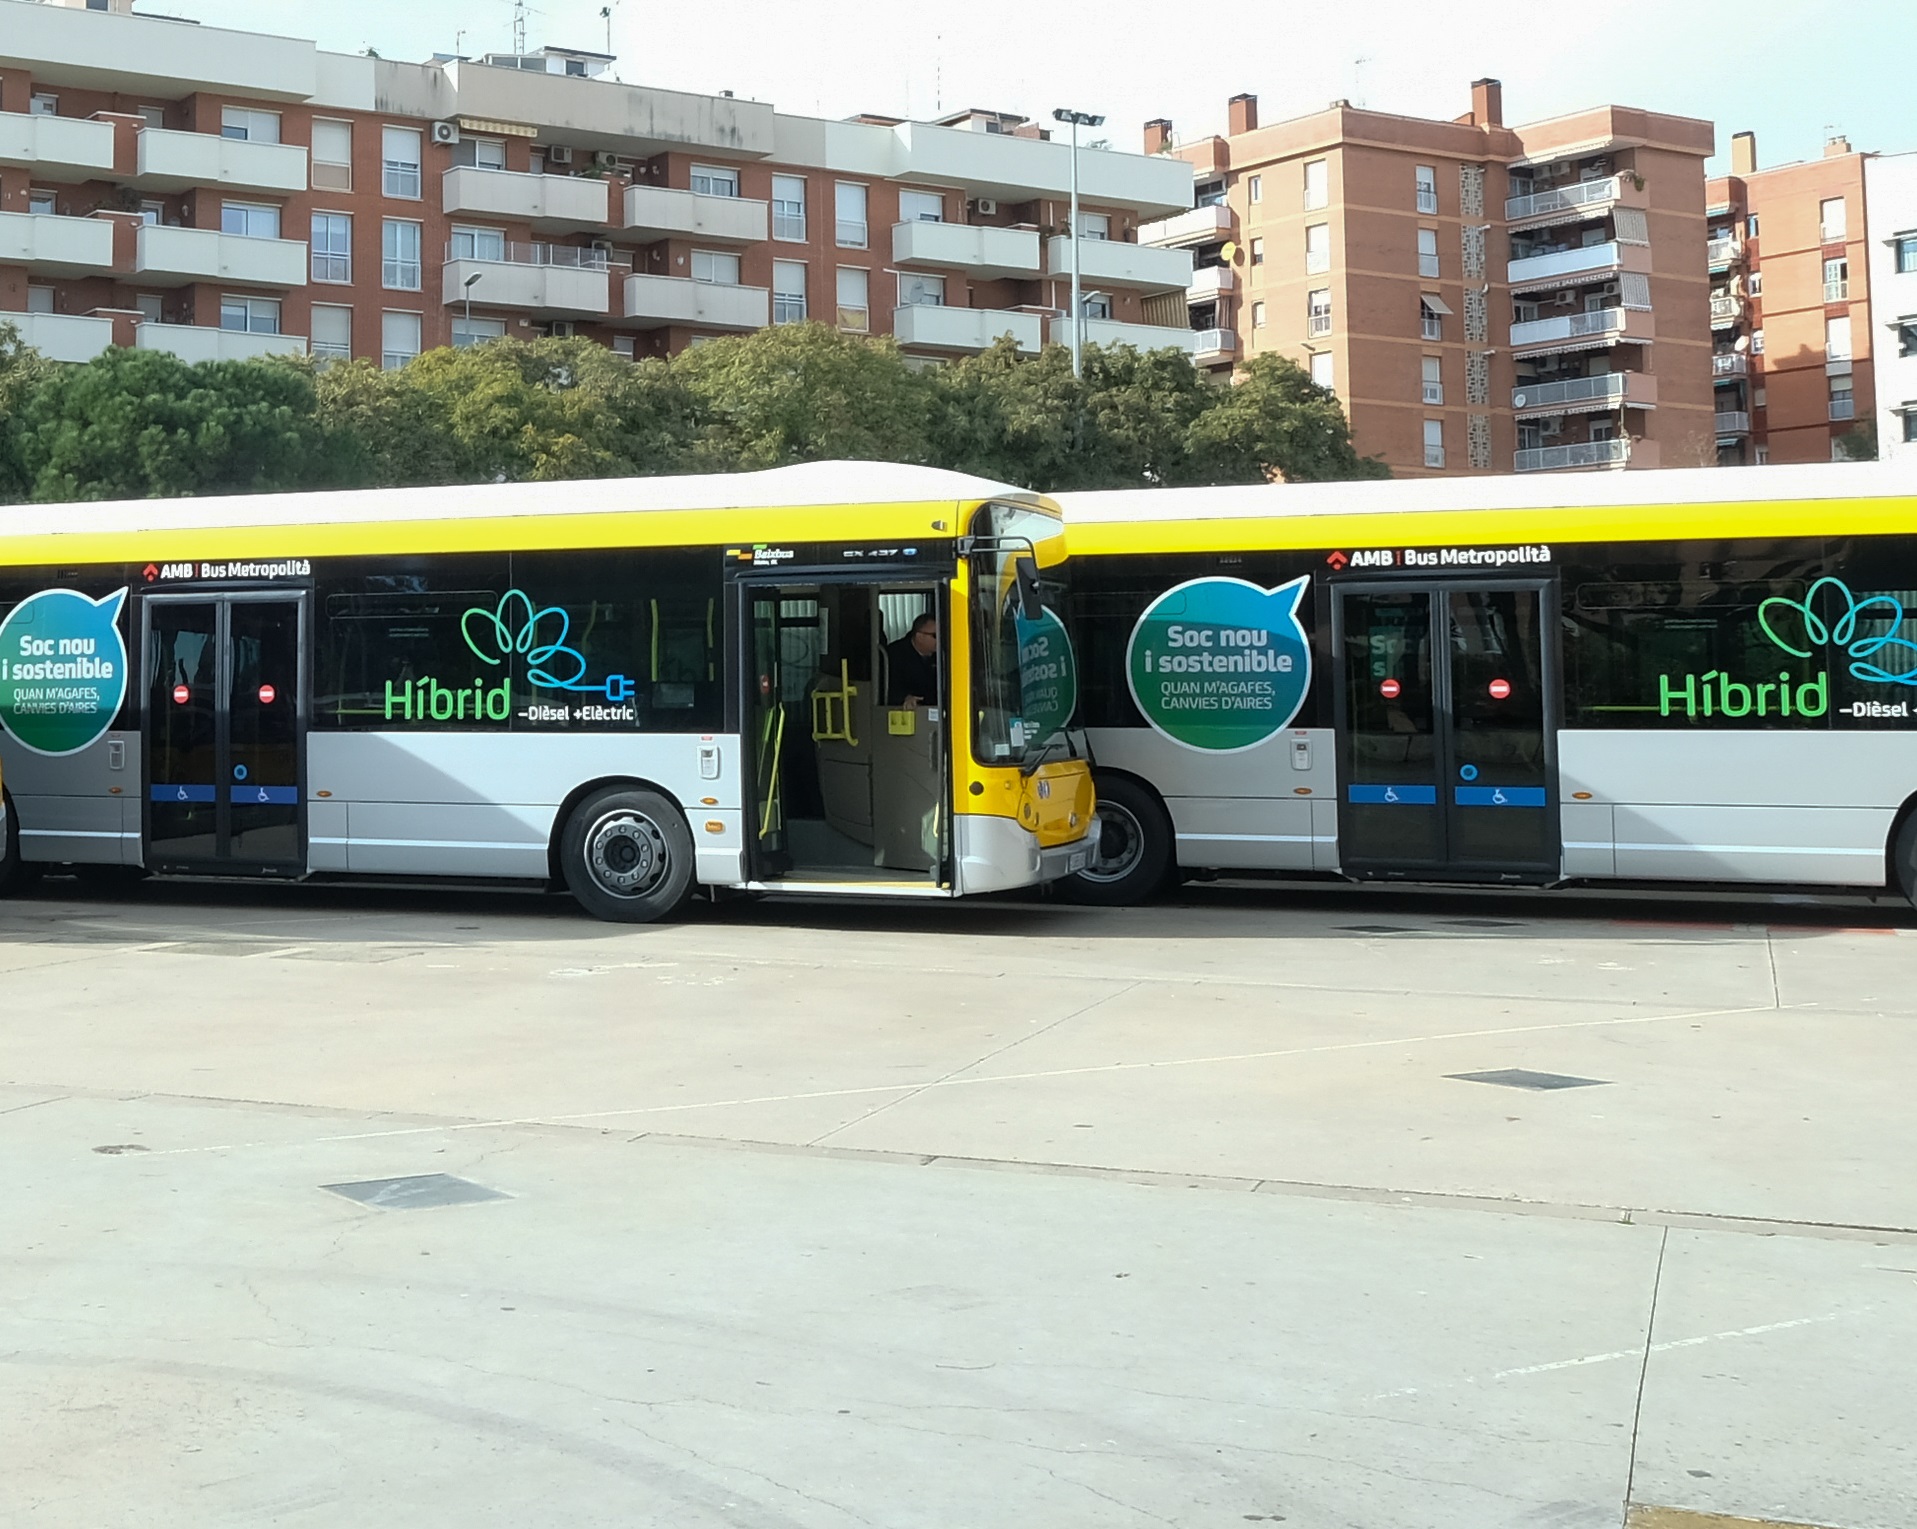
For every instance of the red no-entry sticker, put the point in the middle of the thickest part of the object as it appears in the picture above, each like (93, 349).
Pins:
(181, 695)
(1500, 689)
(1389, 689)
(268, 695)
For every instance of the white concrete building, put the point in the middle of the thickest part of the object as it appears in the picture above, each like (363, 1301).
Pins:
(1890, 203)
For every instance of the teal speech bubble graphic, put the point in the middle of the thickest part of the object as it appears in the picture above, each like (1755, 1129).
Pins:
(62, 669)
(1221, 664)
(1048, 674)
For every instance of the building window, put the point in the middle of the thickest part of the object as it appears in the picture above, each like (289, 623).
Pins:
(249, 220)
(469, 243)
(1750, 226)
(399, 248)
(623, 345)
(848, 208)
(921, 207)
(1837, 338)
(721, 270)
(1096, 306)
(1843, 402)
(398, 339)
(39, 299)
(1757, 283)
(332, 246)
(1317, 248)
(788, 292)
(1836, 280)
(1434, 443)
(1830, 220)
(150, 306)
(917, 291)
(1257, 315)
(1321, 368)
(332, 332)
(250, 315)
(715, 180)
(399, 162)
(40, 203)
(1434, 379)
(1757, 342)
(1430, 320)
(1257, 251)
(1427, 188)
(1318, 312)
(332, 155)
(1255, 189)
(1317, 184)
(1907, 338)
(854, 298)
(1094, 225)
(788, 207)
(43, 105)
(1906, 253)
(1427, 252)
(1910, 422)
(249, 126)
(476, 331)
(153, 116)
(1208, 194)
(480, 153)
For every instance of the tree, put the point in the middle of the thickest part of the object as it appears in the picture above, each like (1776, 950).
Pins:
(135, 424)
(1274, 421)
(1859, 443)
(1002, 416)
(803, 393)
(21, 371)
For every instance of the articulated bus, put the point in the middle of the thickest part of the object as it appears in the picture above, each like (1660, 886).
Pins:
(1705, 677)
(627, 688)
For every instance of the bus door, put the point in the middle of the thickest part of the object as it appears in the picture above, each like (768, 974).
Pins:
(1448, 760)
(225, 733)
(848, 783)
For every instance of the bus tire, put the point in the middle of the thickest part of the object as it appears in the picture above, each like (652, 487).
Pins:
(627, 855)
(16, 875)
(1904, 859)
(1135, 847)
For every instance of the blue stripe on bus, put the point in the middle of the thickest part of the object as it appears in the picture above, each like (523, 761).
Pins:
(1500, 796)
(268, 796)
(1393, 796)
(182, 794)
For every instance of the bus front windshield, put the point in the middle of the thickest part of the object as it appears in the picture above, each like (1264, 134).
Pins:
(1024, 680)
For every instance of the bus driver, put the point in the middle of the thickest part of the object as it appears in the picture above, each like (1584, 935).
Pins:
(912, 665)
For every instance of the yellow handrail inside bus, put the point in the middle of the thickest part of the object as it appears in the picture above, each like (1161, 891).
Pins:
(772, 742)
(823, 704)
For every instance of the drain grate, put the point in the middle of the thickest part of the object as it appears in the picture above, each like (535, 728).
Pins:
(418, 1191)
(1519, 1077)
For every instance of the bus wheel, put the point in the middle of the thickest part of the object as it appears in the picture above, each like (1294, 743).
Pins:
(1134, 847)
(15, 874)
(1904, 856)
(627, 855)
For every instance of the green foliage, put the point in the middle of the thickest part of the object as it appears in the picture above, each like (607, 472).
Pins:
(1859, 443)
(139, 423)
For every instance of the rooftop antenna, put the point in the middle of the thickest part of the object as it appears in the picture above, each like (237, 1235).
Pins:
(938, 74)
(1358, 78)
(519, 26)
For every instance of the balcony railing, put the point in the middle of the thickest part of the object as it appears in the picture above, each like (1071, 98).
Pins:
(1726, 311)
(1547, 267)
(198, 342)
(56, 148)
(566, 256)
(1211, 283)
(1733, 422)
(1210, 344)
(936, 327)
(173, 256)
(56, 246)
(1731, 364)
(653, 302)
(1139, 336)
(1202, 225)
(1608, 387)
(1836, 291)
(665, 211)
(1571, 326)
(1561, 199)
(1612, 453)
(173, 161)
(545, 201)
(549, 280)
(1109, 262)
(1318, 322)
(63, 336)
(1720, 253)
(977, 248)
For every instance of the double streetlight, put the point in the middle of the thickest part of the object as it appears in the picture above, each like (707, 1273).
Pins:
(1077, 119)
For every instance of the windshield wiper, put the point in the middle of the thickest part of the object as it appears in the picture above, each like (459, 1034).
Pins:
(1031, 765)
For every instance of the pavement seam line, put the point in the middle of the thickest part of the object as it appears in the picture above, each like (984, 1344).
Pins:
(1643, 1373)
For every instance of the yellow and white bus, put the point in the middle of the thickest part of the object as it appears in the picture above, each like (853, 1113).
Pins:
(1705, 676)
(629, 688)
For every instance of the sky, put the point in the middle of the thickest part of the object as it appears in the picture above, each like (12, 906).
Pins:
(1776, 66)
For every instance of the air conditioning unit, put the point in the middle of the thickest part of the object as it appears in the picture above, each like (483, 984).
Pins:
(558, 154)
(445, 132)
(1561, 167)
(1567, 296)
(987, 206)
(1609, 289)
(1553, 425)
(604, 159)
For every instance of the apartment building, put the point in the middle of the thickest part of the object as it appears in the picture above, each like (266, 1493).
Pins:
(1793, 357)
(1483, 298)
(1890, 267)
(225, 194)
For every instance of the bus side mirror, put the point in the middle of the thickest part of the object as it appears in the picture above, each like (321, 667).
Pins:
(1031, 607)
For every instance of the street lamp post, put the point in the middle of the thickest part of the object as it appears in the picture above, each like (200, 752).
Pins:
(1077, 119)
(471, 282)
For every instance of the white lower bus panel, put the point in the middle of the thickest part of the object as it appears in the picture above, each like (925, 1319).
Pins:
(465, 804)
(69, 808)
(1814, 808)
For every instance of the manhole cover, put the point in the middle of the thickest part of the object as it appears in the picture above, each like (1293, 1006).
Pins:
(1518, 1077)
(418, 1191)
(1376, 928)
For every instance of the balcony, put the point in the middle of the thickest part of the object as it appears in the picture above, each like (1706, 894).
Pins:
(1106, 262)
(1212, 346)
(925, 326)
(1537, 459)
(664, 212)
(653, 302)
(170, 161)
(1729, 366)
(56, 148)
(51, 246)
(1584, 395)
(538, 279)
(176, 256)
(1722, 254)
(1211, 283)
(977, 250)
(1837, 291)
(1587, 199)
(1139, 336)
(550, 203)
(1202, 225)
(1725, 310)
(1733, 422)
(1570, 267)
(62, 336)
(197, 342)
(1584, 331)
